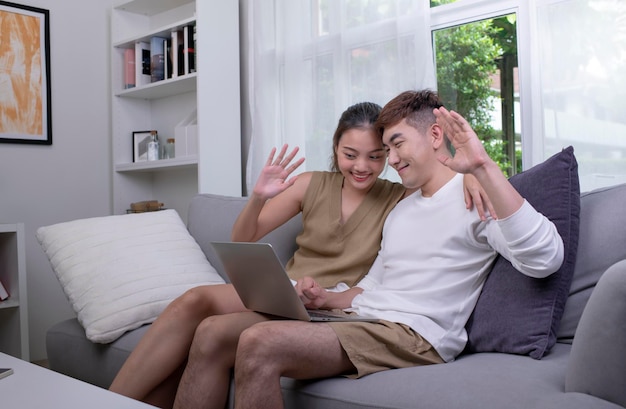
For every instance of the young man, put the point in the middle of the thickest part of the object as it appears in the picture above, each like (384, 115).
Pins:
(432, 264)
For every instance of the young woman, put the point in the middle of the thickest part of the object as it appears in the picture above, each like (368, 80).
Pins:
(343, 214)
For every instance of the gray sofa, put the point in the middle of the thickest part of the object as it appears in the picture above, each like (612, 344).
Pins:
(586, 368)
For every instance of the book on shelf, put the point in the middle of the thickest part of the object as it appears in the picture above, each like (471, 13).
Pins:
(129, 68)
(195, 49)
(157, 59)
(167, 66)
(142, 63)
(177, 53)
(4, 294)
(188, 49)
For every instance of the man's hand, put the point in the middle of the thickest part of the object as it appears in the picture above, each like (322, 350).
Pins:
(471, 158)
(469, 153)
(273, 179)
(313, 296)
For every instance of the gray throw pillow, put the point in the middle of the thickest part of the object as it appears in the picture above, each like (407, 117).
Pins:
(517, 314)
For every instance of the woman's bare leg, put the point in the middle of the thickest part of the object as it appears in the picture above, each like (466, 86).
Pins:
(163, 395)
(164, 347)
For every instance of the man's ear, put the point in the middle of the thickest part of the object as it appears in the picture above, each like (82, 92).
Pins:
(437, 135)
(440, 140)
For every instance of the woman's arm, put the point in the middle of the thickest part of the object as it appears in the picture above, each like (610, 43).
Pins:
(475, 195)
(276, 198)
(314, 296)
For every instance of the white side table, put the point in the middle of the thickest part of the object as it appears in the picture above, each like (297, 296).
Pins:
(13, 311)
(33, 387)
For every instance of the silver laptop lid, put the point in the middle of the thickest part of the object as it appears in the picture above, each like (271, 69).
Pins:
(260, 279)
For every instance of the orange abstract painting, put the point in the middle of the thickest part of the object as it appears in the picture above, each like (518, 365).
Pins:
(23, 93)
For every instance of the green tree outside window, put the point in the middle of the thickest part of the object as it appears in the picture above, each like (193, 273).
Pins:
(468, 58)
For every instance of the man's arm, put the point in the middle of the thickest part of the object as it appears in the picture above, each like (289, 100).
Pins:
(471, 158)
(531, 242)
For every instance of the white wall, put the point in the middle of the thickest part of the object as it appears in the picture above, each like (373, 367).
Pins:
(42, 185)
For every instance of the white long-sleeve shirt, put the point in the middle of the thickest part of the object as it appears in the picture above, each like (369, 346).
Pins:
(435, 256)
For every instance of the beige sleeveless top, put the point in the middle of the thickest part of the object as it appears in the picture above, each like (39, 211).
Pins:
(331, 252)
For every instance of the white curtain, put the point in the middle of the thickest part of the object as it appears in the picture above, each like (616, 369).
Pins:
(308, 60)
(583, 86)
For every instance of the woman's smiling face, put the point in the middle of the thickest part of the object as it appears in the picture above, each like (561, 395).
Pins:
(361, 157)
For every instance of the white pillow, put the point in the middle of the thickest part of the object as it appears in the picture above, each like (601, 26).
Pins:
(120, 272)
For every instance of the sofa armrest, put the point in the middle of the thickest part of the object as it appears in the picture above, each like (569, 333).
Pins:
(597, 364)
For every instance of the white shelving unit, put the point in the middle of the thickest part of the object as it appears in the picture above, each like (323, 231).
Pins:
(13, 311)
(213, 91)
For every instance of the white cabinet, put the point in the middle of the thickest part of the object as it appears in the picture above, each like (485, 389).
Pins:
(213, 91)
(13, 311)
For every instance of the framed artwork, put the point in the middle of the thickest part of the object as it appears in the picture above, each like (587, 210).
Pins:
(25, 111)
(140, 145)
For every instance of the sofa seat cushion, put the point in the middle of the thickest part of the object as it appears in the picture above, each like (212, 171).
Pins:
(474, 381)
(518, 314)
(120, 272)
(71, 353)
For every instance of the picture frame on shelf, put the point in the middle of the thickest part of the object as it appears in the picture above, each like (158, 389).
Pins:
(140, 145)
(27, 118)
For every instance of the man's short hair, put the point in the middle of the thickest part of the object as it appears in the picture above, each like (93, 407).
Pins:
(414, 106)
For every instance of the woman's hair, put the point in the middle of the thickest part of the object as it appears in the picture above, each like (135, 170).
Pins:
(358, 116)
(414, 106)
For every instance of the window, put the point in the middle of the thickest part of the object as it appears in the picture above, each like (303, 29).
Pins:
(353, 51)
(583, 87)
(557, 80)
(477, 77)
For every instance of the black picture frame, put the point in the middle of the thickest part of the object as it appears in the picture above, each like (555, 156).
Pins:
(26, 105)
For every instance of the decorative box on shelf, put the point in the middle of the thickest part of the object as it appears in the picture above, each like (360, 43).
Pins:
(145, 206)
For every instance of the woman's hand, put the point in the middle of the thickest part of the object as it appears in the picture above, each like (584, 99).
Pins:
(274, 175)
(313, 296)
(475, 196)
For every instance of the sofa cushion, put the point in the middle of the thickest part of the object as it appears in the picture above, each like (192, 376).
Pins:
(71, 353)
(518, 314)
(120, 272)
(476, 381)
(600, 246)
(211, 218)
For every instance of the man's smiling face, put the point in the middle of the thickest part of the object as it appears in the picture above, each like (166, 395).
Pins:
(410, 153)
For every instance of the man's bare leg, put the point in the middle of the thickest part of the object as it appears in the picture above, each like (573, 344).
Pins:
(273, 349)
(206, 379)
(164, 347)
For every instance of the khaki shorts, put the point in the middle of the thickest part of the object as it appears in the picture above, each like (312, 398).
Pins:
(375, 347)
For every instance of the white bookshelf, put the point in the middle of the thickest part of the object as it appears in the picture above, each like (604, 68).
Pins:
(213, 91)
(13, 311)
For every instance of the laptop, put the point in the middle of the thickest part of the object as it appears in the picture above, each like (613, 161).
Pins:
(263, 285)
